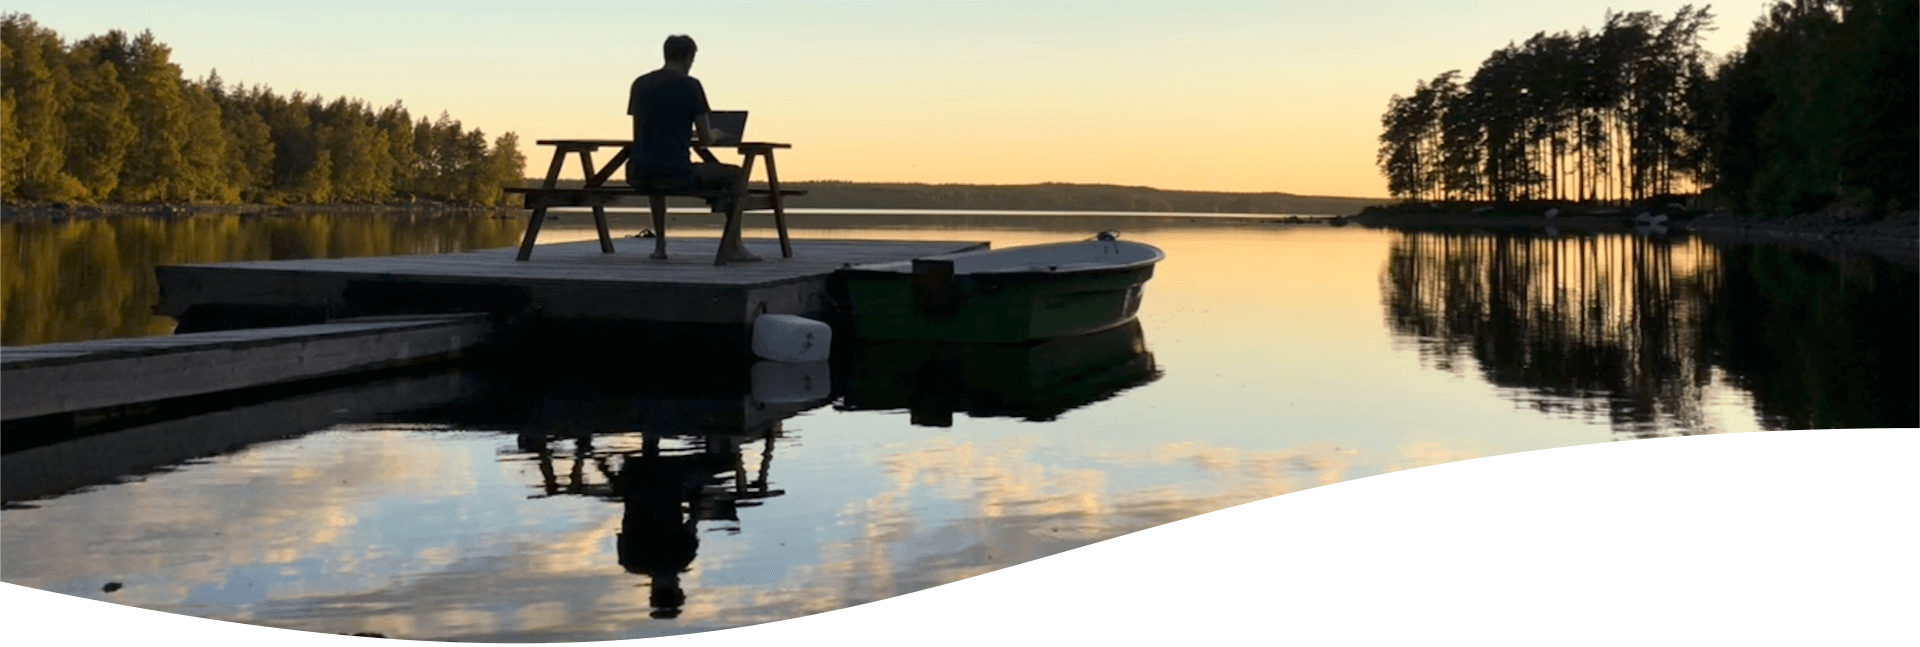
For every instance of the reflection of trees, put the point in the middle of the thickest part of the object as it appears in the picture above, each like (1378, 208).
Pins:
(1820, 343)
(91, 278)
(1632, 328)
(1604, 324)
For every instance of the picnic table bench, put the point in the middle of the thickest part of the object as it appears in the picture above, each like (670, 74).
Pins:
(599, 190)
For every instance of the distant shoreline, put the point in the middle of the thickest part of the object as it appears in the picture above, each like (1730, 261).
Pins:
(1895, 238)
(1047, 197)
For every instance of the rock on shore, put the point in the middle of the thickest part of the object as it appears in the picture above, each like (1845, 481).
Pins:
(1896, 238)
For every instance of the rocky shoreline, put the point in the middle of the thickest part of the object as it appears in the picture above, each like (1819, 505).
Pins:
(1896, 238)
(1841, 231)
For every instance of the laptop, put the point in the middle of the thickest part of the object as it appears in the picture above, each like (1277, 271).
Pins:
(728, 126)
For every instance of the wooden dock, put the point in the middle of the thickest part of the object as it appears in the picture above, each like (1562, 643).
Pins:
(49, 379)
(564, 282)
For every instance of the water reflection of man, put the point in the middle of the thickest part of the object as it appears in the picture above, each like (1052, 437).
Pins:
(669, 107)
(658, 536)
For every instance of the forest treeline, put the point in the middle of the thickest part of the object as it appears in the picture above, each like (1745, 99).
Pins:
(109, 118)
(1050, 196)
(1815, 111)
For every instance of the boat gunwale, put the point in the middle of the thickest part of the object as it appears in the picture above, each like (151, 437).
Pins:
(899, 268)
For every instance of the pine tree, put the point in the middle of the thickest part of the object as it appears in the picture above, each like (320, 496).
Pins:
(156, 167)
(100, 131)
(37, 84)
(396, 130)
(506, 166)
(470, 169)
(249, 163)
(205, 150)
(302, 168)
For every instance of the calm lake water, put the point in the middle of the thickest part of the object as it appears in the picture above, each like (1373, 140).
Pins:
(493, 503)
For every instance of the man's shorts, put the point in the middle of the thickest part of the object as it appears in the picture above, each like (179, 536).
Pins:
(704, 177)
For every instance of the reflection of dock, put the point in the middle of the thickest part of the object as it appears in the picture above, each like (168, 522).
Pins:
(52, 379)
(630, 391)
(110, 457)
(1037, 381)
(568, 281)
(724, 480)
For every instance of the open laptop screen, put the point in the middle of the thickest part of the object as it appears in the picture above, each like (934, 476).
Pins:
(728, 126)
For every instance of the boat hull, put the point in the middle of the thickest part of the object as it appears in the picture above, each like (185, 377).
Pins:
(1007, 307)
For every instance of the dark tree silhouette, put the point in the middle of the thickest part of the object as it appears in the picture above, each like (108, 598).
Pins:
(1608, 116)
(1817, 111)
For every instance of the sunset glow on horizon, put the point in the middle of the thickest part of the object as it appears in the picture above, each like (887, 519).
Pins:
(1209, 96)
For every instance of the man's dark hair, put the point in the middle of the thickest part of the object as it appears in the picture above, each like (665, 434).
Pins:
(679, 48)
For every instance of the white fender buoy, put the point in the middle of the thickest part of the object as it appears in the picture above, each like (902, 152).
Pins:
(783, 383)
(791, 338)
(1553, 212)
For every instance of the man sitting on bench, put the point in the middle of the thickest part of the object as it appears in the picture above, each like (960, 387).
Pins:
(669, 107)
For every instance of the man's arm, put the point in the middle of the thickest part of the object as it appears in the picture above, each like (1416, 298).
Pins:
(703, 137)
(702, 131)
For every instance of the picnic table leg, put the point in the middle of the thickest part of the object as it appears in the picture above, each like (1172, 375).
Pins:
(600, 222)
(540, 213)
(657, 204)
(588, 171)
(746, 168)
(779, 211)
(533, 232)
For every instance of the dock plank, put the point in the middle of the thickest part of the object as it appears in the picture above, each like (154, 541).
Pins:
(78, 376)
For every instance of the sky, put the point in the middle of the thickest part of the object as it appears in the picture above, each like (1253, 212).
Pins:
(1187, 95)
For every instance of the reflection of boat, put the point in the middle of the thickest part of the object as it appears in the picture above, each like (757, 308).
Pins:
(1036, 381)
(1002, 296)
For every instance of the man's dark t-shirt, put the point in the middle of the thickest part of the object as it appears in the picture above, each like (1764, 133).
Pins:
(663, 104)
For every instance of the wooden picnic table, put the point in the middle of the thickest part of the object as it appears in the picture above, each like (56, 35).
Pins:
(599, 190)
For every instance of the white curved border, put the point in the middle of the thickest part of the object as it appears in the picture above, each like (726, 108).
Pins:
(1785, 537)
